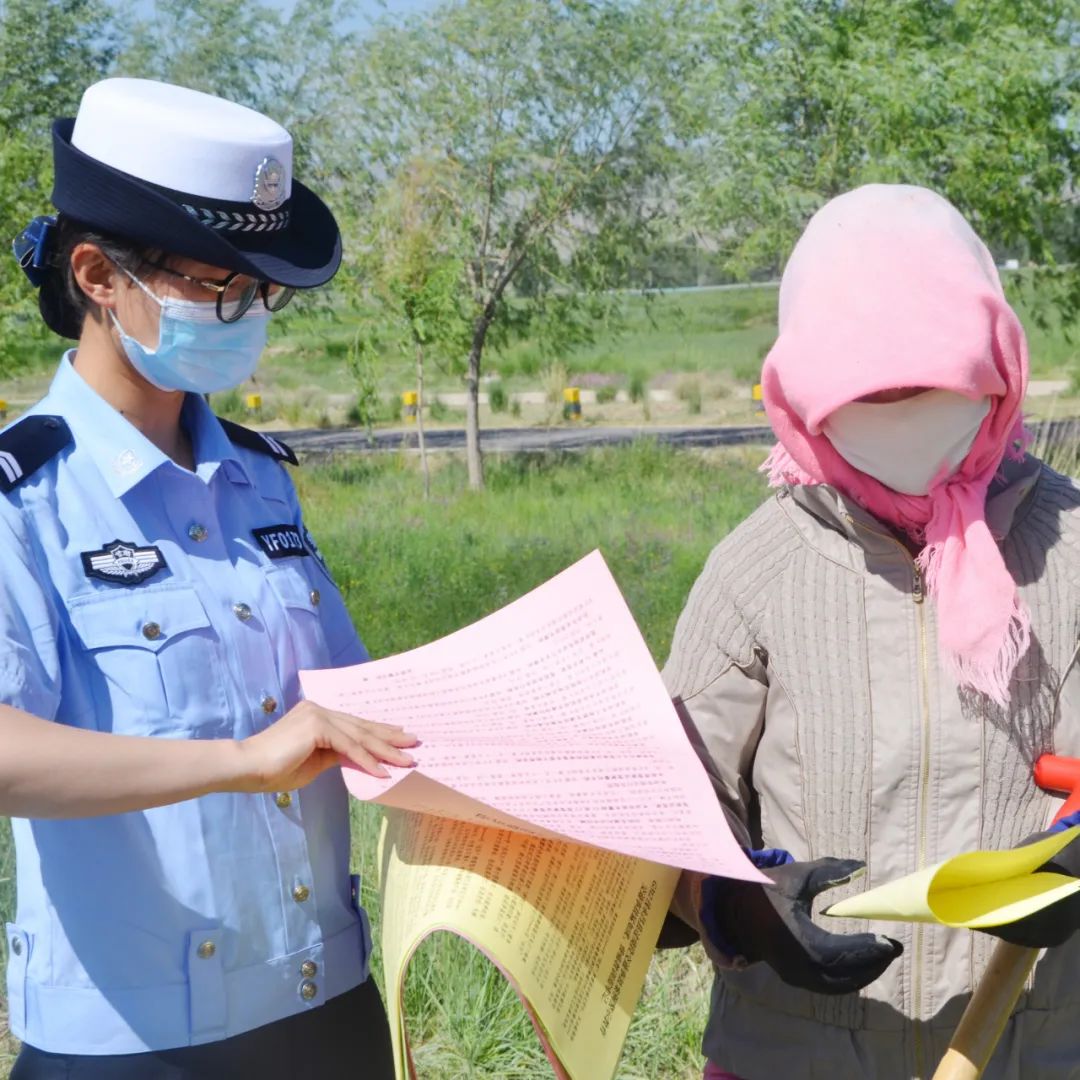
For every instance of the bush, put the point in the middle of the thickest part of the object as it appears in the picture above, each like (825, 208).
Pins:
(498, 399)
(229, 404)
(605, 394)
(638, 387)
(688, 391)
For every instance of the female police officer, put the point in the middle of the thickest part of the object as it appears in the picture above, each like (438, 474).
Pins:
(185, 910)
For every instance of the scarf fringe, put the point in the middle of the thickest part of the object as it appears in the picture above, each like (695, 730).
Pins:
(989, 675)
(781, 469)
(993, 678)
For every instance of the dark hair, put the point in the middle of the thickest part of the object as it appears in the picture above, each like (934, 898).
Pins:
(63, 304)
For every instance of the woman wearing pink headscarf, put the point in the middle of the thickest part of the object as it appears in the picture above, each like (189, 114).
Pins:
(871, 663)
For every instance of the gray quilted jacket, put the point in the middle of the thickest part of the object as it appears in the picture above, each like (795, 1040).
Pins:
(807, 658)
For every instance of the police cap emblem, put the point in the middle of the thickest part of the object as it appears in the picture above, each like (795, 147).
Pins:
(122, 563)
(270, 190)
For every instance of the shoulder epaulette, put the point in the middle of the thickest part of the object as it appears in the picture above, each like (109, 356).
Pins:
(258, 441)
(27, 445)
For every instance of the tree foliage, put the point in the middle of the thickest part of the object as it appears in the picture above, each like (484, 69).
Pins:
(545, 119)
(498, 166)
(795, 101)
(49, 51)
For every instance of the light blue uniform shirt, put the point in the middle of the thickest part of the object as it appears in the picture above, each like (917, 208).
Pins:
(194, 922)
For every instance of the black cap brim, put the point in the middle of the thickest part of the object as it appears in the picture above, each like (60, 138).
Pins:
(306, 253)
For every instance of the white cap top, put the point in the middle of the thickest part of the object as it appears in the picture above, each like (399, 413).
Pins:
(186, 141)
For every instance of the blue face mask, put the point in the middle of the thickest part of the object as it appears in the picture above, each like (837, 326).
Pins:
(196, 351)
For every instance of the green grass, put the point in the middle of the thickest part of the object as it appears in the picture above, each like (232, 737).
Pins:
(412, 571)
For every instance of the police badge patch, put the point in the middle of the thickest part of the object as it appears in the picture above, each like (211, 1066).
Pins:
(122, 563)
(270, 191)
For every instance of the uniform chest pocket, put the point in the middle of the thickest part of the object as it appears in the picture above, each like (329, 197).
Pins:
(153, 660)
(300, 599)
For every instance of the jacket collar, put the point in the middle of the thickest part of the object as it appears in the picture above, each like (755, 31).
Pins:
(845, 520)
(122, 454)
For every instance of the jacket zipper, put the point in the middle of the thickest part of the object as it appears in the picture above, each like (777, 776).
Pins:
(918, 595)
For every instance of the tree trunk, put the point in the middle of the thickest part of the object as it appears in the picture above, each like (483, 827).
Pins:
(425, 471)
(473, 458)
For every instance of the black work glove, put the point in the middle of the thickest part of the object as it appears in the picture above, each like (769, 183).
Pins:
(749, 922)
(1057, 923)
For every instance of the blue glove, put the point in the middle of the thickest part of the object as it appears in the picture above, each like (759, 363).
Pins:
(1058, 922)
(749, 922)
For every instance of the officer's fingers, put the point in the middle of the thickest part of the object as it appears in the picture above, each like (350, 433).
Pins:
(391, 733)
(350, 738)
(355, 753)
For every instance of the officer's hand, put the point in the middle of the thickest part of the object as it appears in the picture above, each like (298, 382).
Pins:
(748, 922)
(309, 739)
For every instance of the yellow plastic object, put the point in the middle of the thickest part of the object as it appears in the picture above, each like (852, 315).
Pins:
(409, 399)
(977, 889)
(253, 402)
(571, 403)
(3, 409)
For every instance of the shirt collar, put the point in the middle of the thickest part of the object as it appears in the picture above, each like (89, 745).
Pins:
(122, 454)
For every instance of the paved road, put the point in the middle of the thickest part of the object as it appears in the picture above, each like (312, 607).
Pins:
(320, 442)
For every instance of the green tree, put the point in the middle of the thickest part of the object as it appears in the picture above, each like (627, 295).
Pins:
(50, 50)
(289, 67)
(795, 101)
(412, 273)
(546, 115)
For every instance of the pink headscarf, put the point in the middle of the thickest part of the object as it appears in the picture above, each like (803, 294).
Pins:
(890, 287)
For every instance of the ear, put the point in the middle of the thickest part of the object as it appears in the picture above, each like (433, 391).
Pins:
(96, 275)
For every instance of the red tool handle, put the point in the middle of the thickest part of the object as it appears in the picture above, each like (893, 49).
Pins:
(1060, 774)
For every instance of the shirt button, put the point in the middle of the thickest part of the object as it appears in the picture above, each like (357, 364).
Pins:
(206, 950)
(315, 597)
(242, 612)
(197, 533)
(283, 800)
(151, 631)
(308, 990)
(300, 893)
(16, 948)
(309, 969)
(268, 703)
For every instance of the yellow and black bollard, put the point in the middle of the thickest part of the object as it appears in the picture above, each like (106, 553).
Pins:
(571, 403)
(757, 398)
(253, 403)
(409, 399)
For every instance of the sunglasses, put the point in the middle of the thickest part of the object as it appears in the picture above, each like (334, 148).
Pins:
(236, 293)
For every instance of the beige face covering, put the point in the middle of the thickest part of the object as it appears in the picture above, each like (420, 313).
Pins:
(908, 444)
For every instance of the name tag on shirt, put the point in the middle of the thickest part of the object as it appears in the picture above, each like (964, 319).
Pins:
(280, 541)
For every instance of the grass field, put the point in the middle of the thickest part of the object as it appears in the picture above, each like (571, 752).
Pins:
(703, 350)
(412, 570)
